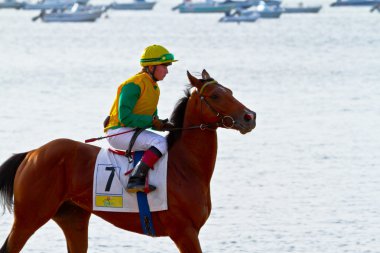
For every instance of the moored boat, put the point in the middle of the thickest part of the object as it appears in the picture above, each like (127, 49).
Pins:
(302, 9)
(135, 5)
(269, 11)
(10, 4)
(209, 6)
(76, 14)
(241, 4)
(240, 16)
(52, 4)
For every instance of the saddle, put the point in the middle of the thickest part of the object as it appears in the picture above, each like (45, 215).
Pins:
(128, 153)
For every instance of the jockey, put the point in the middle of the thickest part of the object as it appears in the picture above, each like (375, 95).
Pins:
(135, 106)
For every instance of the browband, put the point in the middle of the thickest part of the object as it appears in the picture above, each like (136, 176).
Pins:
(207, 83)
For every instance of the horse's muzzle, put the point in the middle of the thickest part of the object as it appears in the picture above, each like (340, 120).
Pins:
(246, 123)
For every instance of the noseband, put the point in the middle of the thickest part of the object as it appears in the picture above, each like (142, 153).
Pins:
(223, 119)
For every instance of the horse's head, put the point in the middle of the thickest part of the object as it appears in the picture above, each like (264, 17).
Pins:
(218, 107)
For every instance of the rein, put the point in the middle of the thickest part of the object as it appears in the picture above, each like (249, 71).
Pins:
(223, 119)
(201, 127)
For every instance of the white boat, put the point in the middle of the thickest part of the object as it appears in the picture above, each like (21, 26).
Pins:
(274, 10)
(76, 14)
(209, 6)
(135, 5)
(240, 16)
(302, 9)
(52, 4)
(269, 11)
(10, 4)
(188, 6)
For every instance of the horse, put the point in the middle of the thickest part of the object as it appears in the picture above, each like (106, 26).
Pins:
(55, 180)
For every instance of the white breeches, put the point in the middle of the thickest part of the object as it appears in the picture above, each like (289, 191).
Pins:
(144, 140)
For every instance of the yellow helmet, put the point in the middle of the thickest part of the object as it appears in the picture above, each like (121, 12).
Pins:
(156, 55)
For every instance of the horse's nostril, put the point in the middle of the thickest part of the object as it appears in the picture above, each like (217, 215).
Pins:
(248, 117)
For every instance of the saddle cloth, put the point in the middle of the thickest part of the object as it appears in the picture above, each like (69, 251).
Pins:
(109, 192)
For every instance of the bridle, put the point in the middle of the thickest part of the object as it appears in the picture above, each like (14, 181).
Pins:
(225, 121)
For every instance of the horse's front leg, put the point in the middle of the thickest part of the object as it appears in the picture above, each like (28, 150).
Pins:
(187, 240)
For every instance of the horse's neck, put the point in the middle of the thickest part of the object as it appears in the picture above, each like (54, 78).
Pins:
(199, 149)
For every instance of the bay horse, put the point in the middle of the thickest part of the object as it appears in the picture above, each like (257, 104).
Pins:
(55, 181)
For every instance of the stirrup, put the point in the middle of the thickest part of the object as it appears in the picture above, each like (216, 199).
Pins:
(141, 188)
(138, 184)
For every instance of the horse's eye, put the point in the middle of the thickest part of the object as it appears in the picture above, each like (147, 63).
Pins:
(214, 96)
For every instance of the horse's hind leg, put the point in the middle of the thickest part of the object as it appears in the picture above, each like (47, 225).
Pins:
(74, 222)
(22, 229)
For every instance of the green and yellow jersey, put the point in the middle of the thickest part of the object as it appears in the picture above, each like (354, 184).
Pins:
(135, 103)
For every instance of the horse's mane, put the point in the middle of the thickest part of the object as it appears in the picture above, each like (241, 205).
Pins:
(177, 118)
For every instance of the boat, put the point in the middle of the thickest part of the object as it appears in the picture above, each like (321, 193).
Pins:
(301, 9)
(272, 2)
(240, 16)
(343, 3)
(135, 5)
(52, 4)
(10, 4)
(209, 6)
(241, 4)
(269, 11)
(75, 14)
(273, 10)
(238, 4)
(307, 9)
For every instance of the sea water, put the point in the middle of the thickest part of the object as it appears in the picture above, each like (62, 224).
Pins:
(306, 180)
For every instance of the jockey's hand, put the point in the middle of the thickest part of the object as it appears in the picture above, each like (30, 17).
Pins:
(161, 124)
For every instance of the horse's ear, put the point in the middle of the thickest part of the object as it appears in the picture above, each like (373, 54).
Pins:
(205, 75)
(194, 81)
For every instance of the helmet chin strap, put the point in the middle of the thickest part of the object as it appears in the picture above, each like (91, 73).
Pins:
(151, 74)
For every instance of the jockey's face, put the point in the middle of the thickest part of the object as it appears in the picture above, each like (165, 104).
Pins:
(161, 71)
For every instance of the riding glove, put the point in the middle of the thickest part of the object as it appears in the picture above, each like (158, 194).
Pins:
(161, 124)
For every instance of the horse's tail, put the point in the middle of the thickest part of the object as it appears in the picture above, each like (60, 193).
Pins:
(7, 177)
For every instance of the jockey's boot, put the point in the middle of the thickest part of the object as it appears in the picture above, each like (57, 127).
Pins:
(136, 182)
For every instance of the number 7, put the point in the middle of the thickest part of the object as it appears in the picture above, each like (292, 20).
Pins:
(110, 179)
